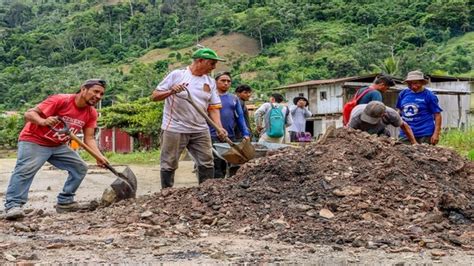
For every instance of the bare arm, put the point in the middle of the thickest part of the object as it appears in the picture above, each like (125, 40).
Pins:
(259, 117)
(33, 115)
(408, 132)
(159, 95)
(215, 116)
(437, 131)
(89, 140)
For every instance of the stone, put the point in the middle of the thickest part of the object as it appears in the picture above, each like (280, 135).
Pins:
(21, 227)
(348, 191)
(438, 253)
(146, 214)
(207, 220)
(371, 245)
(25, 263)
(108, 197)
(32, 256)
(243, 230)
(196, 215)
(280, 223)
(47, 221)
(325, 213)
(270, 236)
(301, 207)
(9, 256)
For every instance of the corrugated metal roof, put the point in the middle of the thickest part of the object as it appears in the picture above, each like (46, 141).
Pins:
(332, 81)
(433, 78)
(437, 78)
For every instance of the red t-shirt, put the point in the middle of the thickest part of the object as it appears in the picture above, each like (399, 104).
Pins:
(64, 106)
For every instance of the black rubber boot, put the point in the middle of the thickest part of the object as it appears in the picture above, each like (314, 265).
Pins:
(232, 170)
(167, 179)
(220, 167)
(204, 173)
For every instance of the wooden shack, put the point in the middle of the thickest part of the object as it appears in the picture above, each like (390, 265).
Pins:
(327, 97)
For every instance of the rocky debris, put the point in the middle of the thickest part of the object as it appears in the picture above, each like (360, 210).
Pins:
(352, 189)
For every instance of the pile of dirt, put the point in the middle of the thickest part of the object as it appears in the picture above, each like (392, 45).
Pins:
(351, 188)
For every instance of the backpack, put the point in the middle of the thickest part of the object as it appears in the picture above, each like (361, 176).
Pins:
(347, 109)
(276, 122)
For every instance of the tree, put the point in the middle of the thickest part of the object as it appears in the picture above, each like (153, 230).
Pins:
(388, 66)
(141, 116)
(10, 128)
(254, 22)
(18, 14)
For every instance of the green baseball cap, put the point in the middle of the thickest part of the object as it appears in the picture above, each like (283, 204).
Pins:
(206, 53)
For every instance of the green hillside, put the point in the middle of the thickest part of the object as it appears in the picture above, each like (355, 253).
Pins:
(50, 46)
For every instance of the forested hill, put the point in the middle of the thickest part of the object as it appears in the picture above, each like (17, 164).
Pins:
(50, 46)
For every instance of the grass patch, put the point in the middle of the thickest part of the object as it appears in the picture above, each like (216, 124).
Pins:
(461, 141)
(148, 157)
(7, 153)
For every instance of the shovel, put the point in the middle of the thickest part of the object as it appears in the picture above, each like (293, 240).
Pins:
(125, 186)
(238, 153)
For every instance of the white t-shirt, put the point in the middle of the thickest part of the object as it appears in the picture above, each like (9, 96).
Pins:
(178, 114)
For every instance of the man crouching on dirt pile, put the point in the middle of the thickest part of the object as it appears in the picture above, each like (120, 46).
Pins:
(182, 126)
(39, 143)
(374, 118)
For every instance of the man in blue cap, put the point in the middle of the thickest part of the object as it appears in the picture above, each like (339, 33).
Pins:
(182, 126)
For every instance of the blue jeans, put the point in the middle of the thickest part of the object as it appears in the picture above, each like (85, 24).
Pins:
(30, 158)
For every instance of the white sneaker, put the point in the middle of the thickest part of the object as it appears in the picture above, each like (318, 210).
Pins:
(14, 213)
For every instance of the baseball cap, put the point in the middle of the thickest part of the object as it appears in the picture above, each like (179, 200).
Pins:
(93, 82)
(206, 53)
(373, 112)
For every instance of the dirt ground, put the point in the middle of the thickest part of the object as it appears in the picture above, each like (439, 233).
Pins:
(126, 245)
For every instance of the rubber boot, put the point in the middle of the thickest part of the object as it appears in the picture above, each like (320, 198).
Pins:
(220, 167)
(167, 179)
(204, 173)
(232, 170)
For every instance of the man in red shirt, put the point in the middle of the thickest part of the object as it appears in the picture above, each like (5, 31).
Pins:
(39, 143)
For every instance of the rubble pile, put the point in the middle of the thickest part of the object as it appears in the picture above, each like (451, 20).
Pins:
(351, 188)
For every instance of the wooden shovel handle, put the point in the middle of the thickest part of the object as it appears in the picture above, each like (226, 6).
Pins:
(208, 119)
(96, 155)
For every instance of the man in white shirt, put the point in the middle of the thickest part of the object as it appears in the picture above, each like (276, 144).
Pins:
(182, 126)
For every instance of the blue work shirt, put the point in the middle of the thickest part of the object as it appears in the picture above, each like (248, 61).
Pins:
(231, 114)
(373, 95)
(418, 109)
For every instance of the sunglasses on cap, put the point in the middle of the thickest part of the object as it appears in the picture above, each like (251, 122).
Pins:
(92, 82)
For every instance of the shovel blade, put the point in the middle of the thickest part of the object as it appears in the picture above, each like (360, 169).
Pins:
(247, 149)
(125, 186)
(241, 153)
(234, 157)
